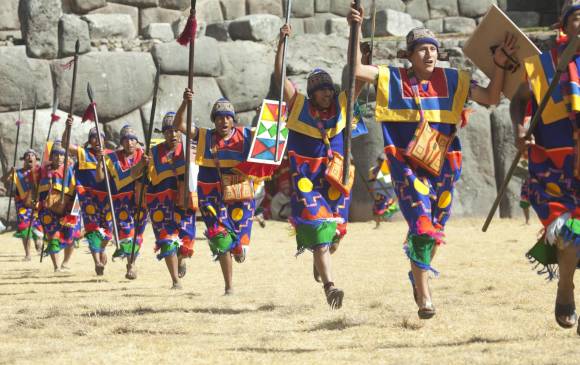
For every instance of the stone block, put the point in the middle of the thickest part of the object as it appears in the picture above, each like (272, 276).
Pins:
(256, 27)
(105, 26)
(161, 31)
(443, 8)
(70, 29)
(459, 25)
(233, 9)
(39, 20)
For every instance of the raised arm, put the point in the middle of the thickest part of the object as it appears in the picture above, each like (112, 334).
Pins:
(180, 120)
(72, 148)
(289, 89)
(490, 95)
(363, 73)
(518, 108)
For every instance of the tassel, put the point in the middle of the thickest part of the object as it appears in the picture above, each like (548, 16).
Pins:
(89, 113)
(67, 66)
(18, 122)
(54, 118)
(188, 34)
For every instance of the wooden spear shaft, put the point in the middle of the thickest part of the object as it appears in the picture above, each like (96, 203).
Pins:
(68, 129)
(14, 164)
(282, 83)
(565, 58)
(189, 113)
(350, 102)
(33, 120)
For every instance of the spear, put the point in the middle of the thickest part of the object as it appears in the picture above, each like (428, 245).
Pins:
(188, 36)
(374, 23)
(53, 117)
(18, 122)
(282, 83)
(350, 102)
(33, 120)
(107, 181)
(68, 129)
(138, 220)
(562, 66)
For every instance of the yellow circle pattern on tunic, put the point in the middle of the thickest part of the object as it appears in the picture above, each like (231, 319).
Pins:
(212, 210)
(385, 168)
(158, 216)
(90, 209)
(47, 219)
(553, 189)
(123, 215)
(305, 185)
(444, 200)
(22, 211)
(333, 193)
(108, 216)
(237, 214)
(177, 217)
(420, 187)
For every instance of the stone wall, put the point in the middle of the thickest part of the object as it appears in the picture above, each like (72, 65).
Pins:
(122, 42)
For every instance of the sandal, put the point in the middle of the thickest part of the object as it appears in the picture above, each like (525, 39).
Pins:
(181, 269)
(427, 312)
(316, 274)
(334, 296)
(565, 315)
(99, 270)
(131, 275)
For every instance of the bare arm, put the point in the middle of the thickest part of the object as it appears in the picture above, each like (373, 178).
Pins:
(72, 149)
(180, 120)
(490, 95)
(518, 108)
(289, 89)
(363, 73)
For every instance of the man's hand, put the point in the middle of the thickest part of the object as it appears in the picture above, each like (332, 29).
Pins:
(285, 31)
(187, 95)
(355, 16)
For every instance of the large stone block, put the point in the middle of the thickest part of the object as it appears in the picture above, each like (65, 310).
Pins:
(112, 8)
(219, 31)
(84, 6)
(504, 151)
(113, 128)
(20, 77)
(525, 19)
(397, 5)
(171, 89)
(297, 25)
(79, 134)
(256, 27)
(10, 34)
(12, 217)
(208, 11)
(233, 9)
(173, 58)
(39, 21)
(122, 82)
(301, 8)
(157, 15)
(179, 25)
(443, 8)
(390, 22)
(70, 29)
(337, 26)
(418, 9)
(104, 26)
(459, 25)
(175, 4)
(161, 31)
(273, 7)
(9, 15)
(137, 3)
(322, 6)
(474, 9)
(246, 83)
(317, 24)
(476, 189)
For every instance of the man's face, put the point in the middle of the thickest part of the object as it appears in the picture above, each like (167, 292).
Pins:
(29, 160)
(172, 137)
(57, 159)
(224, 125)
(94, 140)
(573, 25)
(424, 58)
(129, 145)
(323, 98)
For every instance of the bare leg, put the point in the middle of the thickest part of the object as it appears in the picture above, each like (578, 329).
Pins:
(67, 255)
(424, 300)
(37, 245)
(26, 249)
(377, 222)
(54, 259)
(527, 214)
(227, 271)
(323, 264)
(567, 261)
(171, 262)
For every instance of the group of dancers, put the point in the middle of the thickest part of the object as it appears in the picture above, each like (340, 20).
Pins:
(414, 104)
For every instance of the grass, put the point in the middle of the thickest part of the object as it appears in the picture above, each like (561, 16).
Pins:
(492, 308)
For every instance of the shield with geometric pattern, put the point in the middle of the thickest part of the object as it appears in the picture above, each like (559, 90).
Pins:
(263, 147)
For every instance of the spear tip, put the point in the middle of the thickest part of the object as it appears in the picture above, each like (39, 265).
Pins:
(77, 46)
(90, 91)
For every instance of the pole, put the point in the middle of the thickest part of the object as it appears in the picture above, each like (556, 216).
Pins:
(33, 120)
(189, 109)
(350, 102)
(107, 180)
(18, 122)
(282, 83)
(68, 130)
(374, 22)
(565, 58)
(145, 176)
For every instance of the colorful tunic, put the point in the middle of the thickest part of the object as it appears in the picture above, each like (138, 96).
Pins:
(59, 229)
(554, 184)
(123, 189)
(425, 200)
(319, 209)
(173, 226)
(95, 209)
(24, 182)
(385, 202)
(229, 225)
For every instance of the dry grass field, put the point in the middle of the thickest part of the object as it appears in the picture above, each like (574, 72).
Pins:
(492, 308)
